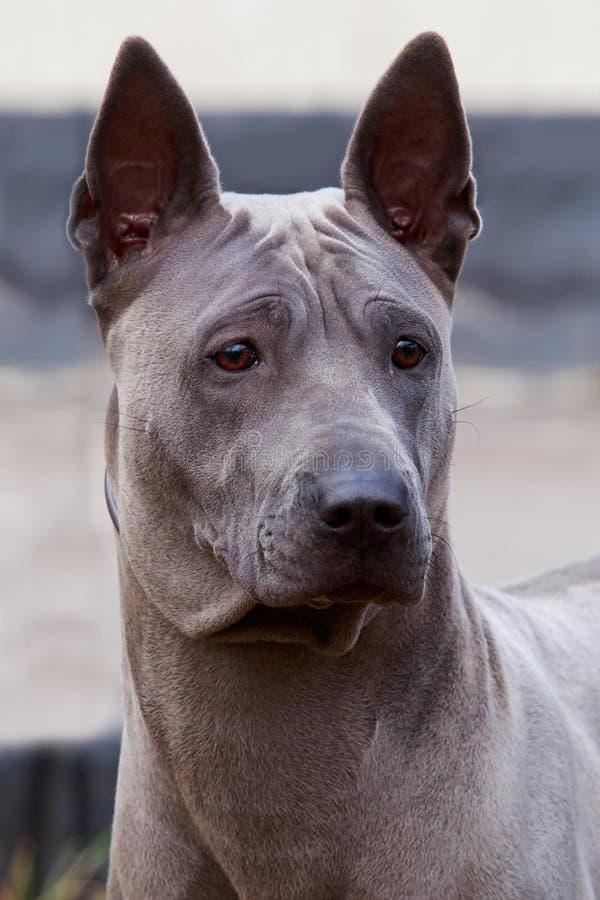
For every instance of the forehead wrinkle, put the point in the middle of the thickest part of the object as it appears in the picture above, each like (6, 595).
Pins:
(341, 239)
(274, 238)
(249, 309)
(312, 240)
(264, 222)
(386, 264)
(314, 251)
(294, 247)
(238, 222)
(321, 261)
(333, 233)
(357, 248)
(276, 233)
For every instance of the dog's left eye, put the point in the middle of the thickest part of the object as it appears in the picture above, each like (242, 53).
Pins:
(236, 356)
(407, 353)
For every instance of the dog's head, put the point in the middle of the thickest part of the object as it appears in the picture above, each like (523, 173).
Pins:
(280, 432)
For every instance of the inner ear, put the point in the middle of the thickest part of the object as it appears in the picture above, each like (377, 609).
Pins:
(148, 168)
(409, 158)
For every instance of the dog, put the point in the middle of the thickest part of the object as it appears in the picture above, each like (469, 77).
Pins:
(317, 705)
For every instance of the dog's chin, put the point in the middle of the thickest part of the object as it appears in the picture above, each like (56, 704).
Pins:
(329, 623)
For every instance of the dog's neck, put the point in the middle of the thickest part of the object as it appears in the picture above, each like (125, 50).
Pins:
(426, 654)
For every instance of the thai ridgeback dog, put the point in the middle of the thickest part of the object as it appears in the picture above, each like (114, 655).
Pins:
(317, 705)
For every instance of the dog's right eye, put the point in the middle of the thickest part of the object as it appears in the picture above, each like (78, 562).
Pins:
(407, 353)
(236, 356)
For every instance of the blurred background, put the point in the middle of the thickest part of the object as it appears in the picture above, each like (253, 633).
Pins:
(277, 86)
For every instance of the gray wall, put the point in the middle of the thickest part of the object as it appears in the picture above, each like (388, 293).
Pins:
(539, 185)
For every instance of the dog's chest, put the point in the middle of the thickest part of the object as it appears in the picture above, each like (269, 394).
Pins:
(306, 792)
(290, 818)
(325, 823)
(314, 783)
(284, 771)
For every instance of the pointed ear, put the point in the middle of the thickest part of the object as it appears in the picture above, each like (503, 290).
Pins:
(148, 168)
(409, 159)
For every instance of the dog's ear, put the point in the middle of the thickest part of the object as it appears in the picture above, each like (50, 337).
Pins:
(148, 167)
(409, 159)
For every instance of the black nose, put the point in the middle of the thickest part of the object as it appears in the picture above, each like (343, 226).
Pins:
(362, 507)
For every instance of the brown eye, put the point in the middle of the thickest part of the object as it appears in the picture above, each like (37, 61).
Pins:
(407, 354)
(236, 357)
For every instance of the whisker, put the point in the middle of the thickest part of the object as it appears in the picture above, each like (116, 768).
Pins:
(434, 519)
(130, 416)
(469, 405)
(468, 422)
(116, 424)
(447, 543)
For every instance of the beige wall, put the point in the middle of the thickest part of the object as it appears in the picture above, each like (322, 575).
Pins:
(516, 54)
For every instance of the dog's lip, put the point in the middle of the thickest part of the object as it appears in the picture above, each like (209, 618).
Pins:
(356, 592)
(320, 603)
(331, 628)
(329, 621)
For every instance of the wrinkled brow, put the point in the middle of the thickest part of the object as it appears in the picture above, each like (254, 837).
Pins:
(270, 309)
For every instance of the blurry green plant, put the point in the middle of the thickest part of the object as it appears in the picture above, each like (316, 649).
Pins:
(71, 878)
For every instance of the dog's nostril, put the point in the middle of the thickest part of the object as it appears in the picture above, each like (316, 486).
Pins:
(387, 516)
(382, 516)
(337, 516)
(363, 508)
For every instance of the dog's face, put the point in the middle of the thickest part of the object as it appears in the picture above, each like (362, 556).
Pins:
(282, 423)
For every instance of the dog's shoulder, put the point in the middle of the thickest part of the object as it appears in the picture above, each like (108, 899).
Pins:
(546, 628)
(552, 582)
(556, 612)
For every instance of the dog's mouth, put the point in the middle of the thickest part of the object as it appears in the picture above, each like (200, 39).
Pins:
(329, 624)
